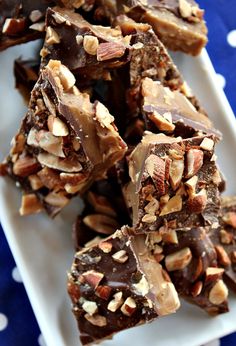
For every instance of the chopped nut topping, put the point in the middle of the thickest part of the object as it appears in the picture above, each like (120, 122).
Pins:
(142, 287)
(148, 218)
(213, 273)
(218, 293)
(216, 178)
(35, 182)
(194, 162)
(176, 173)
(38, 26)
(178, 260)
(13, 26)
(207, 144)
(30, 205)
(155, 167)
(103, 116)
(101, 223)
(170, 237)
(79, 39)
(105, 246)
(152, 206)
(103, 292)
(57, 126)
(93, 278)
(35, 15)
(230, 219)
(25, 165)
(185, 8)
(197, 202)
(120, 256)
(90, 307)
(116, 302)
(110, 50)
(173, 205)
(222, 256)
(51, 36)
(161, 122)
(56, 199)
(191, 184)
(226, 237)
(96, 320)
(197, 289)
(129, 307)
(90, 44)
(60, 164)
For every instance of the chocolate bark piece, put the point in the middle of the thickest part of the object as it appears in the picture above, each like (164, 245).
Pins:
(23, 20)
(118, 280)
(26, 74)
(178, 23)
(86, 49)
(191, 261)
(171, 112)
(65, 142)
(224, 239)
(173, 180)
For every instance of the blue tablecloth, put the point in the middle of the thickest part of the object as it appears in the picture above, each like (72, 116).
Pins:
(18, 326)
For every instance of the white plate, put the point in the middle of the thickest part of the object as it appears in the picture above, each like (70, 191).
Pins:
(43, 248)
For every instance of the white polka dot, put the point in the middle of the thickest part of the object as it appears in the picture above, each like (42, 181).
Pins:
(213, 343)
(41, 340)
(221, 80)
(231, 38)
(3, 322)
(16, 275)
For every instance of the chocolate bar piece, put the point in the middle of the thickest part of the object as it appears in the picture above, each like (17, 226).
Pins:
(178, 23)
(104, 212)
(171, 112)
(191, 261)
(117, 284)
(224, 239)
(174, 181)
(86, 49)
(26, 75)
(23, 20)
(65, 143)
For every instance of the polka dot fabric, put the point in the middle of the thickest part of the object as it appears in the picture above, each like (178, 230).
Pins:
(18, 326)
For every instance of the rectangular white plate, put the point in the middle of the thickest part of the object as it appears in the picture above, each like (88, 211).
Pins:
(43, 248)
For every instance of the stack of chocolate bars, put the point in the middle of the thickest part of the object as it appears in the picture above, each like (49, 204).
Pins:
(111, 119)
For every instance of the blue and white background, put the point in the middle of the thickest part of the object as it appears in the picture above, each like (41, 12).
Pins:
(18, 326)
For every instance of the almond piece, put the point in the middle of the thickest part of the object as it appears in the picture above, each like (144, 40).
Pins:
(96, 320)
(90, 44)
(142, 287)
(226, 237)
(172, 206)
(110, 50)
(93, 278)
(230, 219)
(207, 144)
(116, 302)
(155, 167)
(30, 205)
(57, 127)
(56, 199)
(13, 26)
(25, 166)
(213, 273)
(222, 256)
(197, 202)
(35, 182)
(149, 218)
(191, 184)
(129, 307)
(120, 256)
(103, 292)
(90, 307)
(170, 237)
(197, 289)
(219, 293)
(185, 8)
(176, 173)
(178, 260)
(66, 165)
(161, 123)
(105, 246)
(194, 162)
(101, 223)
(51, 36)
